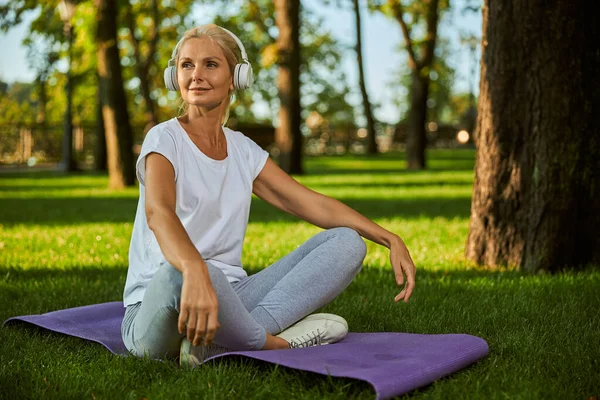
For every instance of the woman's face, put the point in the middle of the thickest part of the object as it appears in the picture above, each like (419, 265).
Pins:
(203, 73)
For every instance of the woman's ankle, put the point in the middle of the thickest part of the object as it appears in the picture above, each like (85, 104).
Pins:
(275, 343)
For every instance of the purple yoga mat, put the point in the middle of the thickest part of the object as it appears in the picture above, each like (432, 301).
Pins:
(394, 363)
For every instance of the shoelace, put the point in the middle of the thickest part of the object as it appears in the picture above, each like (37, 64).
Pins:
(308, 341)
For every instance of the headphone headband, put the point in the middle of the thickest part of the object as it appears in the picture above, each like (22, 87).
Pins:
(237, 41)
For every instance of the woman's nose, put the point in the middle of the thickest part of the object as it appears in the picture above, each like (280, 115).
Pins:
(198, 74)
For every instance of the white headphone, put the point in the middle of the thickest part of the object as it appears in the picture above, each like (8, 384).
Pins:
(242, 74)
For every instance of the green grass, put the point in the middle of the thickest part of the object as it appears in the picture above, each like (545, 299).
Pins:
(64, 242)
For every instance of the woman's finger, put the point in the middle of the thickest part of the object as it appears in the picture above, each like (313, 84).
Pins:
(200, 329)
(191, 326)
(399, 278)
(409, 289)
(182, 322)
(211, 329)
(400, 296)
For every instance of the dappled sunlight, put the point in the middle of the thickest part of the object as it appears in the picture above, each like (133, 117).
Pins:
(65, 247)
(362, 181)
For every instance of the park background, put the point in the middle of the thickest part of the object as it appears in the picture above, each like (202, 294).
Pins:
(66, 210)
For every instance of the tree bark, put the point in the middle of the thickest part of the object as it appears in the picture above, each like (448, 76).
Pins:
(100, 161)
(41, 120)
(119, 137)
(372, 147)
(69, 163)
(288, 136)
(536, 196)
(416, 141)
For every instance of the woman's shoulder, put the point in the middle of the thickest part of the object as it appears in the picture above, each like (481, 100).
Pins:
(163, 130)
(238, 137)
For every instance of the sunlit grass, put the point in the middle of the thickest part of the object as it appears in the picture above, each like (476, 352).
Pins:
(64, 243)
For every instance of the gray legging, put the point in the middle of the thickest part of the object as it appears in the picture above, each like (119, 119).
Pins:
(269, 301)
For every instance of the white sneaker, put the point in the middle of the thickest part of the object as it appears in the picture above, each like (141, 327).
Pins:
(191, 356)
(315, 330)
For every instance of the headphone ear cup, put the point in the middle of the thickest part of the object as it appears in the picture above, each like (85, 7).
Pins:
(243, 76)
(170, 77)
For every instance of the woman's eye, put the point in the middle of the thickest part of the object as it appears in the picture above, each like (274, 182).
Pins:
(185, 64)
(212, 64)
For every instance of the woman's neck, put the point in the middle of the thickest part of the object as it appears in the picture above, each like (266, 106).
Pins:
(206, 127)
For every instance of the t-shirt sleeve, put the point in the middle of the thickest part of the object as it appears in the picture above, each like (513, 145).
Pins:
(159, 141)
(257, 157)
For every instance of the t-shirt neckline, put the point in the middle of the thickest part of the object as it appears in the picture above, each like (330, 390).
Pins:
(199, 152)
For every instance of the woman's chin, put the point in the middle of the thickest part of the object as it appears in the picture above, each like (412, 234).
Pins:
(206, 104)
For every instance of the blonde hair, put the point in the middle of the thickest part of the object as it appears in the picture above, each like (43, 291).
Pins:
(229, 47)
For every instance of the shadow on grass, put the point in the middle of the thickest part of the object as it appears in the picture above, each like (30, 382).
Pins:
(47, 174)
(67, 210)
(74, 210)
(44, 188)
(325, 169)
(387, 185)
(40, 290)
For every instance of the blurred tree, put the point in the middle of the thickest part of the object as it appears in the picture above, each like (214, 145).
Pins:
(100, 152)
(147, 36)
(372, 146)
(16, 105)
(288, 135)
(536, 200)
(46, 39)
(366, 104)
(119, 136)
(41, 58)
(416, 16)
(441, 80)
(325, 87)
(142, 62)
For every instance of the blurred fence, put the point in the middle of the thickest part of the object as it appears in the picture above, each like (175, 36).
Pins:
(41, 144)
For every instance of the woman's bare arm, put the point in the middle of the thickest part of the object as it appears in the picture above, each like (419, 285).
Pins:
(198, 298)
(280, 190)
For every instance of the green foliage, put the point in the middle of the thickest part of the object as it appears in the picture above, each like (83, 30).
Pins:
(324, 84)
(325, 88)
(174, 20)
(17, 105)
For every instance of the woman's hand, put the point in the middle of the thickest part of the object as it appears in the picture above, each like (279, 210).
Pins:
(403, 265)
(199, 307)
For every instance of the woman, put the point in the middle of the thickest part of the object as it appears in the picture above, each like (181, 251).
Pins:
(187, 293)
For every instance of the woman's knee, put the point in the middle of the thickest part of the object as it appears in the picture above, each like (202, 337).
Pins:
(217, 276)
(352, 242)
(168, 278)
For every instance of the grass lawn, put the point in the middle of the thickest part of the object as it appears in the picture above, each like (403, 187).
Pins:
(64, 243)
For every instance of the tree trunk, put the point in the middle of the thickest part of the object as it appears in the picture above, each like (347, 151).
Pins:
(288, 137)
(41, 120)
(119, 138)
(372, 147)
(417, 138)
(536, 196)
(420, 67)
(100, 147)
(151, 119)
(69, 163)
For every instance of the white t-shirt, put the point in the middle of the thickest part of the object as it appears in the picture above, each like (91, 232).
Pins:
(212, 201)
